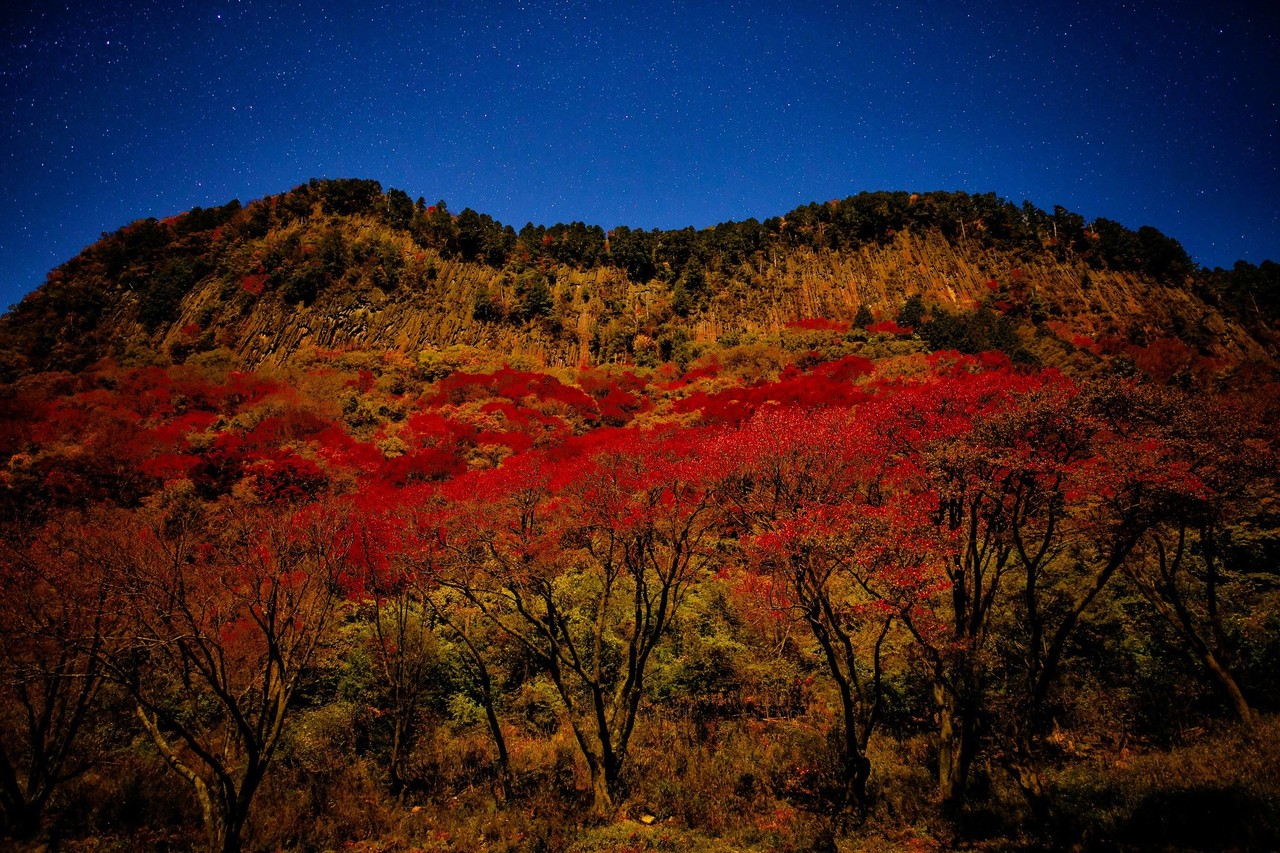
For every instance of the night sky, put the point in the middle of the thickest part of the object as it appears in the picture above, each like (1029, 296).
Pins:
(649, 114)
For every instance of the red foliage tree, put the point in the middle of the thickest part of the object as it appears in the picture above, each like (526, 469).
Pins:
(50, 640)
(803, 491)
(222, 612)
(1219, 460)
(571, 554)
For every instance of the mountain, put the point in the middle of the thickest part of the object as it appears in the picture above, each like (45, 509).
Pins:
(902, 520)
(340, 265)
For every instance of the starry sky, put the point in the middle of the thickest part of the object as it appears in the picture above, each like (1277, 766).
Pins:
(649, 114)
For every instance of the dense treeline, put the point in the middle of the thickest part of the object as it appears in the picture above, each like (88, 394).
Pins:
(779, 600)
(1248, 291)
(675, 255)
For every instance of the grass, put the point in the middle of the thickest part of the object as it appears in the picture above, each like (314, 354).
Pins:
(740, 786)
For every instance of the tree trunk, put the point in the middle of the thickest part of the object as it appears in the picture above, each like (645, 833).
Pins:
(1025, 772)
(855, 767)
(231, 830)
(22, 805)
(1229, 687)
(489, 703)
(215, 824)
(224, 819)
(857, 770)
(602, 805)
(1030, 783)
(499, 742)
(398, 784)
(222, 816)
(952, 747)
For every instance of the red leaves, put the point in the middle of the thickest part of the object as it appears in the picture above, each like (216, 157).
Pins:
(254, 283)
(858, 464)
(283, 477)
(1163, 358)
(1083, 342)
(827, 385)
(619, 397)
(513, 385)
(363, 382)
(889, 327)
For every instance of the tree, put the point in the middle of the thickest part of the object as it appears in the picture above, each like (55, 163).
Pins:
(912, 313)
(223, 612)
(1074, 496)
(160, 294)
(960, 492)
(1185, 569)
(632, 251)
(802, 494)
(425, 557)
(486, 308)
(388, 589)
(347, 196)
(1045, 488)
(480, 238)
(1163, 257)
(585, 566)
(434, 228)
(534, 296)
(399, 210)
(50, 676)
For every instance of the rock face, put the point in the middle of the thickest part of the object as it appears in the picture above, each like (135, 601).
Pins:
(299, 274)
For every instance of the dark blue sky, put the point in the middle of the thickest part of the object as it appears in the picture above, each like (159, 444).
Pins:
(650, 114)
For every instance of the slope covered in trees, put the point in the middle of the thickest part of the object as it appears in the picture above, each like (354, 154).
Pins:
(811, 560)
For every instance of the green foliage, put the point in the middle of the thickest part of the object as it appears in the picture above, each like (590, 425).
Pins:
(303, 285)
(1117, 246)
(333, 253)
(348, 196)
(135, 245)
(381, 261)
(676, 345)
(533, 295)
(433, 227)
(399, 210)
(160, 295)
(1217, 794)
(633, 251)
(1163, 257)
(200, 219)
(695, 282)
(481, 238)
(486, 308)
(1247, 291)
(681, 301)
(912, 312)
(982, 330)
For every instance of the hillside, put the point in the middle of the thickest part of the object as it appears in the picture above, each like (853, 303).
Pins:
(930, 522)
(340, 266)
